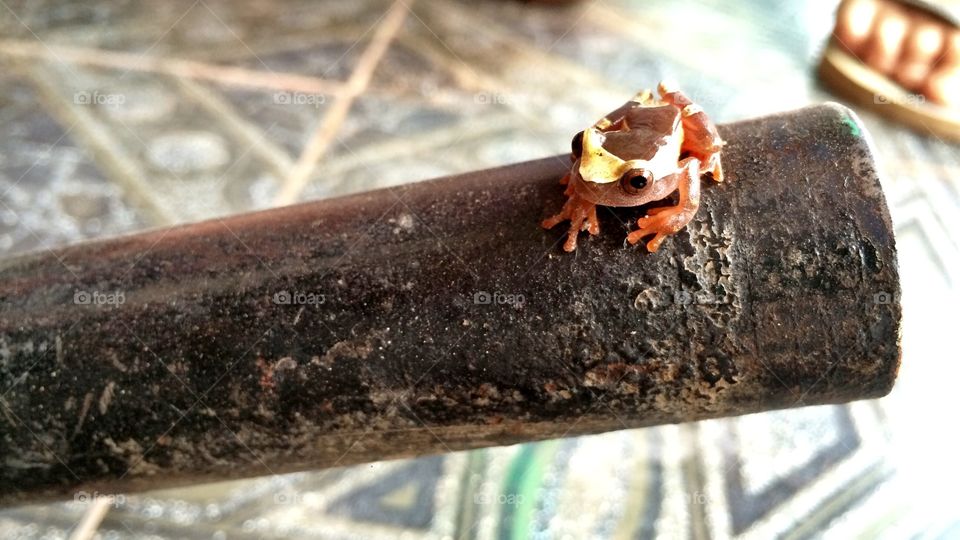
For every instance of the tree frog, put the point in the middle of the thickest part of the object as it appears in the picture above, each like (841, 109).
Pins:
(639, 153)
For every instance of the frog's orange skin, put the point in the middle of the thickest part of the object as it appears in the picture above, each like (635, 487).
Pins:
(648, 148)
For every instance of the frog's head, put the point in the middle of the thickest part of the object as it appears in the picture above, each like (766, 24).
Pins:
(602, 172)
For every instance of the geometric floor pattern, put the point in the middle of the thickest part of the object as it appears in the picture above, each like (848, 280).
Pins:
(117, 116)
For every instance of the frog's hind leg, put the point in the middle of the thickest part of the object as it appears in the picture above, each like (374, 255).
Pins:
(714, 167)
(700, 137)
(669, 94)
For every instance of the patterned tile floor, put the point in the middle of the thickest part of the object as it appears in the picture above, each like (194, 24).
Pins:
(120, 115)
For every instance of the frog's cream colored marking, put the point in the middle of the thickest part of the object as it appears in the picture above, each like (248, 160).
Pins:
(601, 167)
(643, 97)
(596, 164)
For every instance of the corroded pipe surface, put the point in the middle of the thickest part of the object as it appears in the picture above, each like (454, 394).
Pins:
(439, 316)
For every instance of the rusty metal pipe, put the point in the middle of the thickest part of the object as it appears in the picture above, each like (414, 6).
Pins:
(439, 316)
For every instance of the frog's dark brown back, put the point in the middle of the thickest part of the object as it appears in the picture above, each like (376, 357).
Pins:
(648, 126)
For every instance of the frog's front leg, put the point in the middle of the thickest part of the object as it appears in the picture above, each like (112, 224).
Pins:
(581, 213)
(669, 219)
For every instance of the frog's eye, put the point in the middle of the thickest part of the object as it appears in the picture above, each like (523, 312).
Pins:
(635, 180)
(576, 146)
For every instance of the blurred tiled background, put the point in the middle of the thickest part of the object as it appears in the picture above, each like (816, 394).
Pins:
(116, 116)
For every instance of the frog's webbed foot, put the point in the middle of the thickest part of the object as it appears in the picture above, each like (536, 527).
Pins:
(582, 215)
(667, 220)
(662, 223)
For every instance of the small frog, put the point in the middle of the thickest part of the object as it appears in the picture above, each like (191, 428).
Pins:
(641, 152)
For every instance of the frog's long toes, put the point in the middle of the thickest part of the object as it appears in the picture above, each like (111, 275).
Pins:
(654, 211)
(648, 223)
(571, 243)
(553, 221)
(592, 221)
(637, 235)
(654, 245)
(591, 227)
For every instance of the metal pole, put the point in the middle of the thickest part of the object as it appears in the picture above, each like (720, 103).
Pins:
(439, 316)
